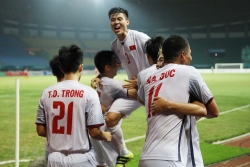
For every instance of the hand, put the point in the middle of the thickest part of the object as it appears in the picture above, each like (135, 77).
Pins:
(94, 82)
(197, 118)
(132, 84)
(159, 105)
(106, 136)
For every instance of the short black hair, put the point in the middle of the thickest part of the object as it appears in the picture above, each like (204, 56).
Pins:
(118, 10)
(70, 57)
(153, 45)
(55, 67)
(172, 46)
(103, 58)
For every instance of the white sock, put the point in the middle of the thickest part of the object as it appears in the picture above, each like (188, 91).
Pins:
(117, 137)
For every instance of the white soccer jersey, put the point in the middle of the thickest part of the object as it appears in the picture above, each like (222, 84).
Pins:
(130, 52)
(143, 73)
(109, 90)
(68, 108)
(205, 96)
(194, 155)
(166, 139)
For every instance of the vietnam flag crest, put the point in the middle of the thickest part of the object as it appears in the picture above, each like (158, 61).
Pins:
(132, 47)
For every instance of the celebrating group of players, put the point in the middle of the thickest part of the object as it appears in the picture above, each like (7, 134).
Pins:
(82, 126)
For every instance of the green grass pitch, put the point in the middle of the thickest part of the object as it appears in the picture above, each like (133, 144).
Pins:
(230, 91)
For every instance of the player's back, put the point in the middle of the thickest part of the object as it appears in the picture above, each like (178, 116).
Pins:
(66, 104)
(165, 134)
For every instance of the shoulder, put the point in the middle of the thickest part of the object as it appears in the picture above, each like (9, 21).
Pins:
(147, 70)
(193, 71)
(110, 81)
(113, 42)
(52, 87)
(138, 34)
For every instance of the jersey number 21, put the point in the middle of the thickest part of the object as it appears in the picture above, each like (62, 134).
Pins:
(61, 106)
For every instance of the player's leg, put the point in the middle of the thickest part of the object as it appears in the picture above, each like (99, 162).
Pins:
(116, 131)
(120, 108)
(105, 152)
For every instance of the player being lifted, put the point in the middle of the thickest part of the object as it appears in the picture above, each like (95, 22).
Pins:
(128, 48)
(110, 90)
(68, 113)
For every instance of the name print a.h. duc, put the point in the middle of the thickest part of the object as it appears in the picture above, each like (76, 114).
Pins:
(66, 93)
(164, 75)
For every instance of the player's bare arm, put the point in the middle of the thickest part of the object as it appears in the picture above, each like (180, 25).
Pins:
(97, 134)
(161, 105)
(212, 109)
(41, 130)
(132, 84)
(132, 93)
(103, 109)
(211, 106)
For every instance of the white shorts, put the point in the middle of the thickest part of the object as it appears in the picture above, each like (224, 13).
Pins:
(57, 159)
(124, 106)
(106, 153)
(160, 163)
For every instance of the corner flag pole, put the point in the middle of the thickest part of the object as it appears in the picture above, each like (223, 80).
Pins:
(17, 123)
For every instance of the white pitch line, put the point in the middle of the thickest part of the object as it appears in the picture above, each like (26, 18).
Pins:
(228, 111)
(13, 161)
(231, 139)
(138, 137)
(134, 139)
(13, 95)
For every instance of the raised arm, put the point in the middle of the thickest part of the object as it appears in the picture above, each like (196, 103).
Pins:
(95, 81)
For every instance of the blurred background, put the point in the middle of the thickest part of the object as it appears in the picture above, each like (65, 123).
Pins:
(32, 31)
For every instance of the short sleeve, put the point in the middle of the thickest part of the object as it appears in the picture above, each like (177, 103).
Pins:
(93, 110)
(117, 60)
(143, 39)
(198, 88)
(40, 118)
(140, 92)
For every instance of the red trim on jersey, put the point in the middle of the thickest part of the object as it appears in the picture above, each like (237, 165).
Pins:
(209, 101)
(132, 47)
(95, 126)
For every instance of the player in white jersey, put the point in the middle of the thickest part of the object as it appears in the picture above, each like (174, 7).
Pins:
(152, 47)
(110, 90)
(56, 71)
(68, 113)
(177, 51)
(129, 50)
(159, 105)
